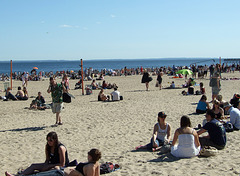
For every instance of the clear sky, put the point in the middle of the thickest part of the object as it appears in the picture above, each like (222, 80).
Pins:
(103, 29)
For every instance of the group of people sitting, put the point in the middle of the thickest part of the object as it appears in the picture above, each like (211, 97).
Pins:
(190, 85)
(57, 162)
(104, 85)
(22, 94)
(189, 140)
(115, 95)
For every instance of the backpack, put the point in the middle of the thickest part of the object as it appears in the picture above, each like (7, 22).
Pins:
(228, 127)
(106, 168)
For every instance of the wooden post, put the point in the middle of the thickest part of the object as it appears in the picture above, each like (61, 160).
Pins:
(11, 74)
(82, 76)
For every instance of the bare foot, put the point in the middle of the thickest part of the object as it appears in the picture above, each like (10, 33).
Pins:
(8, 174)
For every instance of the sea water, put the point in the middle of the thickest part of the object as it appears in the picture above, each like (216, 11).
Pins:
(60, 65)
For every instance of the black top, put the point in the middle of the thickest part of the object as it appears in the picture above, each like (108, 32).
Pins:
(145, 77)
(54, 157)
(216, 132)
(80, 166)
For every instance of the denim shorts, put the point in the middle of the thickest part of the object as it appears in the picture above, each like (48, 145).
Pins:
(215, 90)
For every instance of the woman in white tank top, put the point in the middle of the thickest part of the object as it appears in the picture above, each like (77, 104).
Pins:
(188, 141)
(161, 134)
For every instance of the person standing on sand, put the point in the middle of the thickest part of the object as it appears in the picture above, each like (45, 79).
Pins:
(159, 78)
(146, 79)
(215, 84)
(57, 98)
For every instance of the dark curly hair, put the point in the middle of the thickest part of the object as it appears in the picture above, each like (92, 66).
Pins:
(95, 154)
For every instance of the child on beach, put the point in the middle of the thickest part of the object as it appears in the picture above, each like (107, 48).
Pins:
(161, 134)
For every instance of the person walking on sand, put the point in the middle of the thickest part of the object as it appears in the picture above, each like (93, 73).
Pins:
(146, 79)
(159, 79)
(57, 98)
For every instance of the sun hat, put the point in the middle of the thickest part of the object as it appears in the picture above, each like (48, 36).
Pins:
(162, 114)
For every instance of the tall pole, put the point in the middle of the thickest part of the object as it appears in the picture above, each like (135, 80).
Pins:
(11, 74)
(82, 76)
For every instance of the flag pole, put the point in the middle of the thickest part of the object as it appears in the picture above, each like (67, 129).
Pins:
(82, 76)
(11, 74)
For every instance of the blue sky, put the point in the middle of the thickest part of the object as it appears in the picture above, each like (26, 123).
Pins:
(121, 29)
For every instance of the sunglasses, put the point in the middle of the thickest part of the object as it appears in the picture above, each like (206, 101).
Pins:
(50, 140)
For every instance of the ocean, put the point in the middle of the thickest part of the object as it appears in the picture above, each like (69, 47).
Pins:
(60, 65)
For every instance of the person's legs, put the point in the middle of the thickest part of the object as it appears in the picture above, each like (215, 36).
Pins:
(59, 107)
(32, 168)
(207, 142)
(147, 85)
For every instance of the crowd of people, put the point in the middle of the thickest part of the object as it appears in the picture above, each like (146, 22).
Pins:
(190, 141)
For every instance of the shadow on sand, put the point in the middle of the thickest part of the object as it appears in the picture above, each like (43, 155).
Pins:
(28, 129)
(165, 158)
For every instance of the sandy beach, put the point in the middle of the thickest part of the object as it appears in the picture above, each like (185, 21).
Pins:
(115, 128)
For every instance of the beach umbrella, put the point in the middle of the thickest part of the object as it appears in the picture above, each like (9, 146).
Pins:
(185, 72)
(35, 68)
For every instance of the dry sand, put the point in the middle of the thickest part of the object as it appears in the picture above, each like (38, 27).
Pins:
(115, 128)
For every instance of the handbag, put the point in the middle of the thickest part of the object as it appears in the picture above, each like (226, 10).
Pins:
(207, 151)
(66, 98)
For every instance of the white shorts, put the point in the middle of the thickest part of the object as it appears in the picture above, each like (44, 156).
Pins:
(57, 107)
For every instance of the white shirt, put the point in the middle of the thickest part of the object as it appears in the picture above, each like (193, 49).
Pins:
(115, 95)
(235, 117)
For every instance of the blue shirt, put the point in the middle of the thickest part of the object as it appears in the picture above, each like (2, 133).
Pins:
(234, 117)
(202, 105)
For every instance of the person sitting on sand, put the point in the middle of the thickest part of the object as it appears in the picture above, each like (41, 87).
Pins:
(94, 85)
(25, 92)
(188, 145)
(90, 168)
(202, 88)
(221, 101)
(56, 155)
(235, 101)
(218, 111)
(216, 132)
(115, 95)
(20, 94)
(234, 115)
(104, 84)
(172, 86)
(9, 95)
(203, 105)
(38, 103)
(161, 134)
(102, 96)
